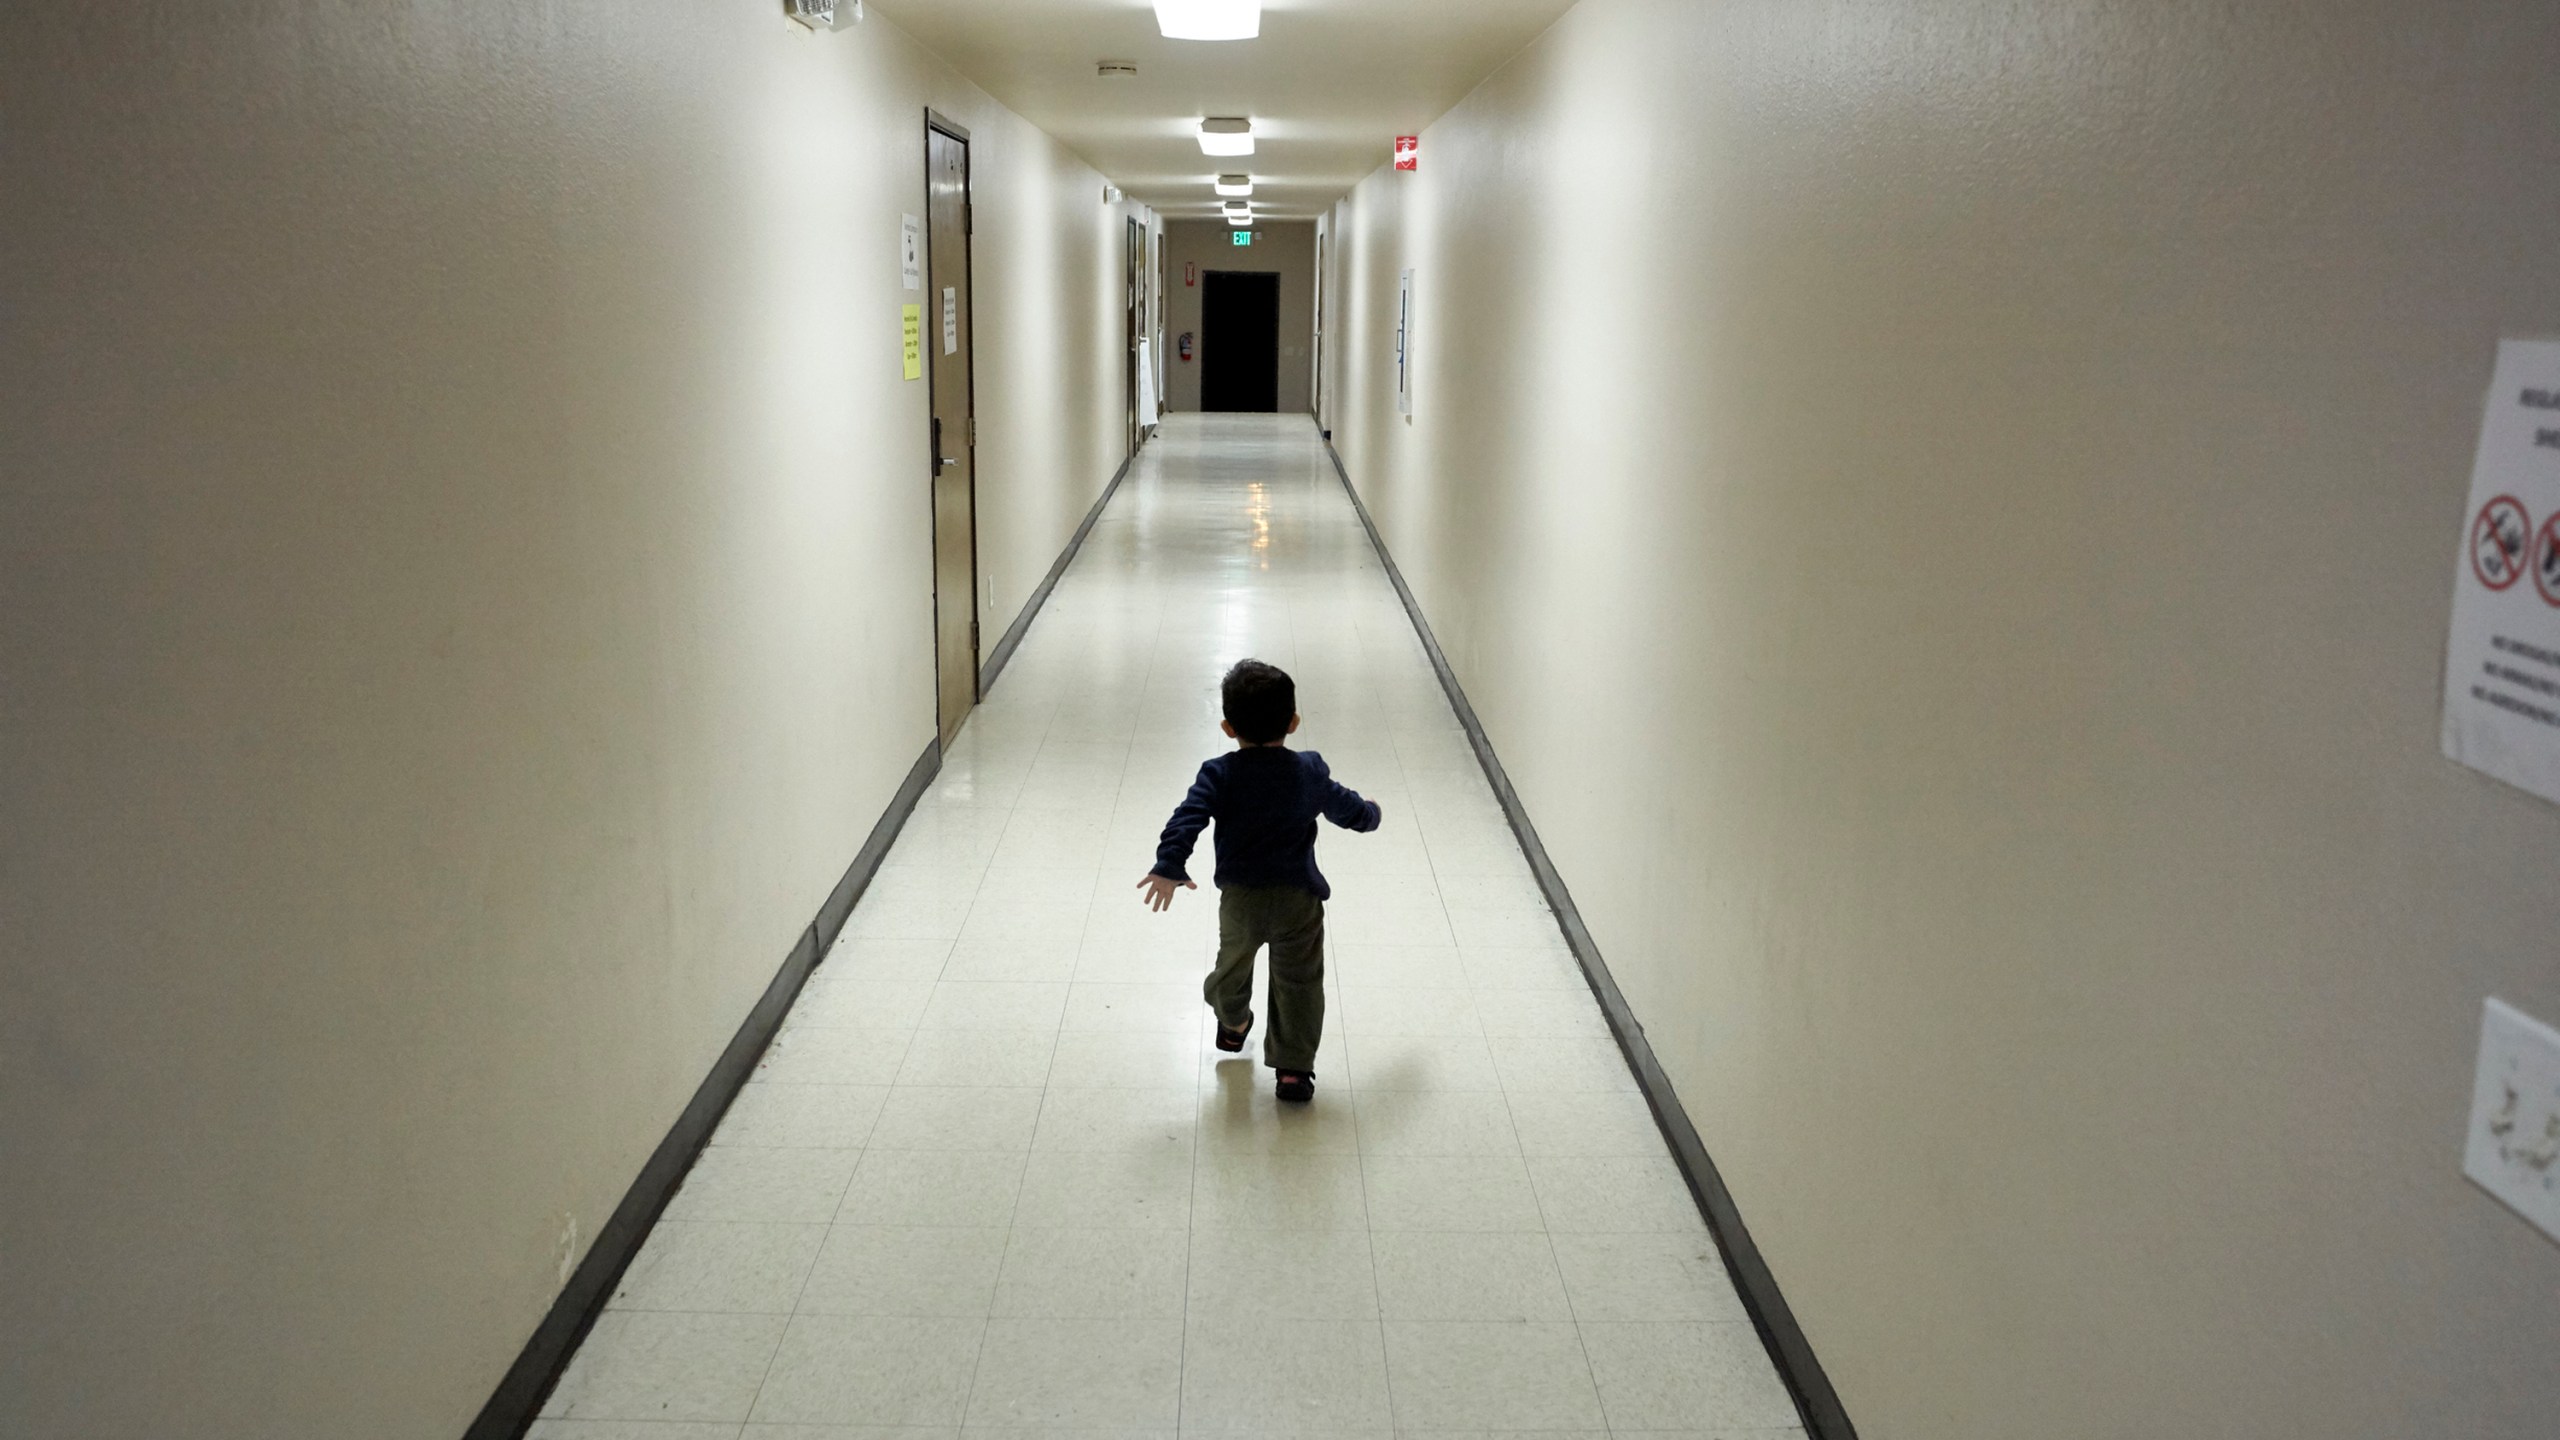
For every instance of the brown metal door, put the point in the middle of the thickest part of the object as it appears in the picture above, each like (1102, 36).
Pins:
(955, 458)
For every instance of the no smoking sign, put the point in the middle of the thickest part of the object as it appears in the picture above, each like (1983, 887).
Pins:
(2497, 542)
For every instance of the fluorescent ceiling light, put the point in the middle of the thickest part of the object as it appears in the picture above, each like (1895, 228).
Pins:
(1209, 19)
(1226, 136)
(1235, 185)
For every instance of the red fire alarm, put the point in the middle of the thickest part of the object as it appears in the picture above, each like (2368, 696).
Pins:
(1190, 272)
(1408, 152)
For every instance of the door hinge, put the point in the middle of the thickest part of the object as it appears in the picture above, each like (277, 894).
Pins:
(968, 217)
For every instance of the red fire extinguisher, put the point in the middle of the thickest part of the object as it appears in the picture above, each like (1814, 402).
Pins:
(1186, 345)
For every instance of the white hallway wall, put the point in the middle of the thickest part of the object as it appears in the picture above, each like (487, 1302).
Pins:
(464, 598)
(1947, 512)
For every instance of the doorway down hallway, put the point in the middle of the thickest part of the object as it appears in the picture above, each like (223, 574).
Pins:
(992, 1174)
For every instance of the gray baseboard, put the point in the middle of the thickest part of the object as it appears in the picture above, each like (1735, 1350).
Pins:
(517, 1402)
(1816, 1401)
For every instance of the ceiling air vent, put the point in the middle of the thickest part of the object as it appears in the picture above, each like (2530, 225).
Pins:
(1116, 69)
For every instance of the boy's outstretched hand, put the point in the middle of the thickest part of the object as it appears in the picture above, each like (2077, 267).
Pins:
(1160, 890)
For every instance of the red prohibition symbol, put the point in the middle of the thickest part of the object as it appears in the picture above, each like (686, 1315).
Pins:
(2498, 543)
(2546, 561)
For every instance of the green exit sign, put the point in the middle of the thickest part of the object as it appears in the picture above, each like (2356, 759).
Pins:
(1244, 237)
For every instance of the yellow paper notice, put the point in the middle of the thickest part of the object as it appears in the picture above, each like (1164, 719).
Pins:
(913, 325)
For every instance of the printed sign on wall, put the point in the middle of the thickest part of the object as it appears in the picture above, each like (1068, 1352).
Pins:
(912, 322)
(1408, 152)
(911, 252)
(2502, 663)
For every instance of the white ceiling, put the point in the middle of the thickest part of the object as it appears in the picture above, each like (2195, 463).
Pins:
(1329, 86)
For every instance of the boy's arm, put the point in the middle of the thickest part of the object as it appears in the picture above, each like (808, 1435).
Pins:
(1343, 805)
(1183, 830)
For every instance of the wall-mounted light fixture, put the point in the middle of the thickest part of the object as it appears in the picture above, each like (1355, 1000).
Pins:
(1209, 19)
(824, 14)
(1226, 135)
(1235, 185)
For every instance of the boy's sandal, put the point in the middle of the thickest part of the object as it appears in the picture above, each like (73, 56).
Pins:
(1296, 1086)
(1232, 1041)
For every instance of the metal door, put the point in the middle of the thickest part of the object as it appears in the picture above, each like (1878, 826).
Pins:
(955, 431)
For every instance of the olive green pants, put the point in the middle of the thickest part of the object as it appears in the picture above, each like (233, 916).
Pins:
(1291, 922)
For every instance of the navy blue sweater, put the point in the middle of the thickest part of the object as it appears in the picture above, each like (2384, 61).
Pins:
(1265, 800)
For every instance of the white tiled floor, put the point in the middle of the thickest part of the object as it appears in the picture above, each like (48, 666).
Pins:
(994, 1177)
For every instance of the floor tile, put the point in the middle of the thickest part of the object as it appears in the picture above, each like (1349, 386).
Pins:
(1095, 1274)
(934, 1187)
(1112, 1006)
(1246, 1118)
(1116, 1120)
(631, 1431)
(1563, 1064)
(751, 1183)
(1255, 1190)
(1685, 1376)
(1421, 1062)
(1283, 1275)
(1166, 1059)
(1047, 959)
(1478, 1276)
(1145, 1189)
(823, 1117)
(1302, 1376)
(1001, 1058)
(905, 1270)
(1647, 1276)
(1452, 1192)
(1567, 1123)
(642, 1365)
(956, 1117)
(1043, 1372)
(994, 1005)
(871, 1370)
(1436, 1122)
(1603, 1193)
(1509, 1376)
(828, 1055)
(720, 1267)
(857, 958)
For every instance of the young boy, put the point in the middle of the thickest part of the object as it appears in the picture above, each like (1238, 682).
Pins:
(1265, 798)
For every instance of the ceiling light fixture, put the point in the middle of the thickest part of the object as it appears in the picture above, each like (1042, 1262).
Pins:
(1209, 19)
(1226, 135)
(1235, 184)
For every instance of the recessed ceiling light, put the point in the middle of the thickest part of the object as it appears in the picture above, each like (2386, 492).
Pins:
(1235, 184)
(1226, 135)
(1209, 19)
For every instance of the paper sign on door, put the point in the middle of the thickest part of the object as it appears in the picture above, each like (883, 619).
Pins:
(2502, 663)
(950, 320)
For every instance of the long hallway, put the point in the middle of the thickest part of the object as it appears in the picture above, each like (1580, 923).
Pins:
(993, 1175)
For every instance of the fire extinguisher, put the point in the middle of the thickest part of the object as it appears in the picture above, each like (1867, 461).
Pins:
(1186, 345)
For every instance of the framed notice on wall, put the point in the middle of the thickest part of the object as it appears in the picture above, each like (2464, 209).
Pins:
(2502, 660)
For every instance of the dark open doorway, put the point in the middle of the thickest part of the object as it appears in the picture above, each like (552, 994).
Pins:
(1240, 341)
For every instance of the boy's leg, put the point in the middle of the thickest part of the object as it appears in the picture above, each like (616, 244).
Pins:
(1295, 921)
(1229, 988)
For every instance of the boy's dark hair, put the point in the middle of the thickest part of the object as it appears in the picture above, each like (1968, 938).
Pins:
(1260, 699)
